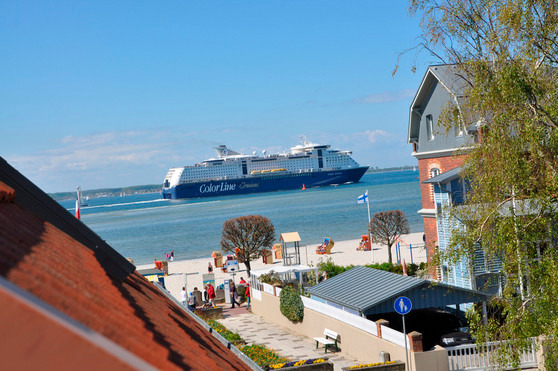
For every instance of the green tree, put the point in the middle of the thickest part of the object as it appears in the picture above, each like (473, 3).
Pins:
(507, 53)
(386, 227)
(246, 236)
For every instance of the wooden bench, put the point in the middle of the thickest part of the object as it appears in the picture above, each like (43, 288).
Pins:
(329, 340)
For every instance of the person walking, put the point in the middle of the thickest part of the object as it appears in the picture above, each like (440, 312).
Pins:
(205, 295)
(234, 295)
(183, 296)
(209, 268)
(211, 294)
(192, 301)
(247, 295)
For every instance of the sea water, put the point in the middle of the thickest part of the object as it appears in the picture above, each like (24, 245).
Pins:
(145, 226)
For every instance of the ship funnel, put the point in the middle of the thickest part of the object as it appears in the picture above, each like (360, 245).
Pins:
(223, 151)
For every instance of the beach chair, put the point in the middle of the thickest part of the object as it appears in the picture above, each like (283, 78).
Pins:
(267, 256)
(325, 247)
(218, 259)
(364, 244)
(278, 248)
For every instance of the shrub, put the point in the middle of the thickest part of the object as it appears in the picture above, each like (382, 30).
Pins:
(412, 269)
(271, 278)
(331, 268)
(241, 292)
(291, 304)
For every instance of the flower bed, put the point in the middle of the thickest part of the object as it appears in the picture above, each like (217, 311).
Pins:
(262, 355)
(316, 364)
(379, 366)
(233, 337)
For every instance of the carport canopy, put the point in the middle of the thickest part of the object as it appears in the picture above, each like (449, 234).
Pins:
(371, 291)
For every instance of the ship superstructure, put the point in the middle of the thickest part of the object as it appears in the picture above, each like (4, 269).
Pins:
(307, 165)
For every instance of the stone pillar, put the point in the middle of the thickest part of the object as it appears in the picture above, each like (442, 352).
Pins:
(379, 324)
(415, 341)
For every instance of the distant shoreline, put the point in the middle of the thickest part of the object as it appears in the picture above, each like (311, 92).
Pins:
(390, 169)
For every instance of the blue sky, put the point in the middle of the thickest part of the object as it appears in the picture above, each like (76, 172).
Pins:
(113, 93)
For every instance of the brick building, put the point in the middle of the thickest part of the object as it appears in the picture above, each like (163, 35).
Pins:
(434, 145)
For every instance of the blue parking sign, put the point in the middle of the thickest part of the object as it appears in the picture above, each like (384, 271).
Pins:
(402, 305)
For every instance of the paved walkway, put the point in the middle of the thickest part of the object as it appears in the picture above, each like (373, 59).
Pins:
(254, 329)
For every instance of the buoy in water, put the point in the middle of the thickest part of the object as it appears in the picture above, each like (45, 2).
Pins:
(303, 187)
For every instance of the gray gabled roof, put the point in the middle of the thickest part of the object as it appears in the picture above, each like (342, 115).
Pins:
(369, 291)
(450, 77)
(445, 177)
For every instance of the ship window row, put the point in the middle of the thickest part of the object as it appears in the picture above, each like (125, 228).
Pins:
(211, 172)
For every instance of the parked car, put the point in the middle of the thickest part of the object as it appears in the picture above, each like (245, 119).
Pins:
(437, 326)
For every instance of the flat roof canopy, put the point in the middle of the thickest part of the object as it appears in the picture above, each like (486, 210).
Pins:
(373, 291)
(290, 237)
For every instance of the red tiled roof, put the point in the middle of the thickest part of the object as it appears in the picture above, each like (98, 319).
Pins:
(69, 276)
(34, 337)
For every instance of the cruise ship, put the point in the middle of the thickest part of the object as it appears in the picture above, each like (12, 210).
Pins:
(231, 173)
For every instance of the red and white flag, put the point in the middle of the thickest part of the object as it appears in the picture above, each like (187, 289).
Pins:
(77, 209)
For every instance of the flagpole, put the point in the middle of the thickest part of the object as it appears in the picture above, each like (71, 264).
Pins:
(369, 239)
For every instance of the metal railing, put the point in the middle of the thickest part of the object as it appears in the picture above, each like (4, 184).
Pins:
(482, 356)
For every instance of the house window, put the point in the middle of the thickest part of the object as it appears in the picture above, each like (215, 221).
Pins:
(457, 127)
(429, 127)
(433, 172)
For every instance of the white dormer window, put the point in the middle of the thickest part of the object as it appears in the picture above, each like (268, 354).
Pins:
(433, 172)
(429, 127)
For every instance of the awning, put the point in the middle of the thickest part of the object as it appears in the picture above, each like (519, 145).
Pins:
(444, 177)
(152, 278)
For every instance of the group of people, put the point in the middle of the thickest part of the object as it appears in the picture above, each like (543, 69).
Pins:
(208, 295)
(192, 299)
(234, 293)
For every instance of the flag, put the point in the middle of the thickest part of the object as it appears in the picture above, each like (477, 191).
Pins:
(77, 209)
(363, 198)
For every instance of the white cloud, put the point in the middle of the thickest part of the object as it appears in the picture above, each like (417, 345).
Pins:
(385, 96)
(79, 157)
(375, 135)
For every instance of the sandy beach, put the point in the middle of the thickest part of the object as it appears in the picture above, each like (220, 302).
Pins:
(189, 272)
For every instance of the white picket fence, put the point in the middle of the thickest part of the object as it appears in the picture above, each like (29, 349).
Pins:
(472, 357)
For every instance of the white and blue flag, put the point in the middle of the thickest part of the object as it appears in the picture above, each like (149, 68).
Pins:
(363, 198)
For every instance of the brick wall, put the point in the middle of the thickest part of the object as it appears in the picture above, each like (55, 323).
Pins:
(444, 164)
